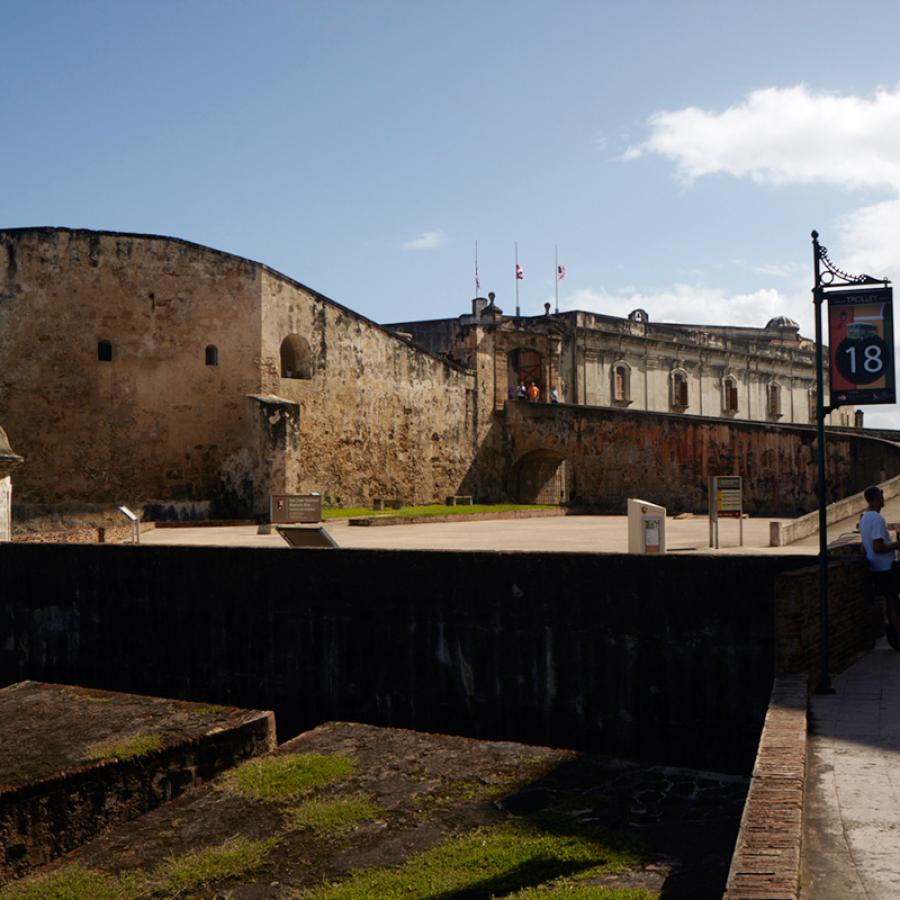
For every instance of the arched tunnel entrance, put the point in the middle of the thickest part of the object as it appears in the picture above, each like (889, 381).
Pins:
(543, 476)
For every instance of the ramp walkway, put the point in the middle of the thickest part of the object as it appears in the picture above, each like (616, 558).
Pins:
(851, 834)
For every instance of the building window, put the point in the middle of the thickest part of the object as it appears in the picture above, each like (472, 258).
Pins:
(212, 355)
(773, 400)
(679, 386)
(296, 357)
(813, 406)
(621, 383)
(729, 394)
(104, 351)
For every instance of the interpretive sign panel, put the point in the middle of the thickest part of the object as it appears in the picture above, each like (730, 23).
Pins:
(287, 509)
(729, 504)
(861, 346)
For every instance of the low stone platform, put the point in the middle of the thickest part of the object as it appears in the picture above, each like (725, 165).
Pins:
(74, 761)
(350, 810)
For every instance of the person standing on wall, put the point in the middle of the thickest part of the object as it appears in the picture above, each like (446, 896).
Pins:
(880, 551)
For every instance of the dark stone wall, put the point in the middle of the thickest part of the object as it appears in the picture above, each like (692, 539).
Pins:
(667, 659)
(668, 459)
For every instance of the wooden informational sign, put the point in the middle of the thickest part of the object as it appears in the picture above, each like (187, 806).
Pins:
(861, 346)
(286, 509)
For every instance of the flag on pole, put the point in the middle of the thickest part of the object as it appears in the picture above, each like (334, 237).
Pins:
(520, 272)
(477, 281)
(560, 273)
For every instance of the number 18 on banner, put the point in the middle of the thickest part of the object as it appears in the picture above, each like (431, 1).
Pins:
(861, 345)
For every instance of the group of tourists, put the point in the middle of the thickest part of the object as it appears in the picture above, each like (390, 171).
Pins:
(532, 393)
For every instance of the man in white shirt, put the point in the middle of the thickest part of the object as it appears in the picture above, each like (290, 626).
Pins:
(879, 547)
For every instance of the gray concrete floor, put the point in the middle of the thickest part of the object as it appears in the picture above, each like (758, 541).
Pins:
(851, 841)
(565, 533)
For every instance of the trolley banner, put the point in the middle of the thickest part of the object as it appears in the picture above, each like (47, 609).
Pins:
(861, 346)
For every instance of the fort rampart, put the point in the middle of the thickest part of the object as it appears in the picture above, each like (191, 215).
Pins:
(669, 658)
(667, 458)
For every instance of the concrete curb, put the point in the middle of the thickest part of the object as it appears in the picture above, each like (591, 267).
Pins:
(766, 861)
(460, 517)
(783, 533)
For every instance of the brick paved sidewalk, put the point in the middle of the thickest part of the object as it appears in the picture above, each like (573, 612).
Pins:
(851, 837)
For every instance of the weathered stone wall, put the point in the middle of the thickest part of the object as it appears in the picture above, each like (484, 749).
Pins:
(378, 417)
(667, 658)
(163, 423)
(155, 422)
(668, 459)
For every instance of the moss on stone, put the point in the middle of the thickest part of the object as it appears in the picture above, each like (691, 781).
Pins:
(286, 777)
(126, 748)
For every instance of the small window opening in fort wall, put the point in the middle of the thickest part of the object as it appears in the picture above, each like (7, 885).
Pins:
(527, 366)
(679, 389)
(729, 394)
(104, 351)
(212, 355)
(621, 383)
(543, 476)
(296, 357)
(773, 400)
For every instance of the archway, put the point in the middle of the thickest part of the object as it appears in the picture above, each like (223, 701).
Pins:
(526, 365)
(296, 357)
(543, 476)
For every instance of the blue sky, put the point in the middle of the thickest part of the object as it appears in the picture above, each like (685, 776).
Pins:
(678, 153)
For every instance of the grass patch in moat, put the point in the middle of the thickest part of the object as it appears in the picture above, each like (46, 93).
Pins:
(432, 509)
(510, 860)
(73, 883)
(126, 748)
(235, 857)
(332, 818)
(281, 778)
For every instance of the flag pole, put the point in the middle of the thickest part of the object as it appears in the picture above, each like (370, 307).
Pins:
(477, 282)
(556, 275)
(517, 279)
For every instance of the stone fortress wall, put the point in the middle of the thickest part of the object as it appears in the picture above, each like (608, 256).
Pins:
(139, 368)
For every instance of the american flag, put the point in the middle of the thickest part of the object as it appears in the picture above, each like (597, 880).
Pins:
(520, 272)
(560, 273)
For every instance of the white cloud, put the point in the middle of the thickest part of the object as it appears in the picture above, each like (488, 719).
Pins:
(870, 239)
(785, 136)
(698, 305)
(428, 240)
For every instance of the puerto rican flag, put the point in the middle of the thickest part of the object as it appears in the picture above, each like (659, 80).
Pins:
(520, 272)
(560, 273)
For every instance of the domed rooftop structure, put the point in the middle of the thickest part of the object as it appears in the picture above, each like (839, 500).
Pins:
(782, 322)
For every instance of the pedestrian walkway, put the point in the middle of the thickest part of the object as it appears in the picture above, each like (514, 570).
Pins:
(851, 840)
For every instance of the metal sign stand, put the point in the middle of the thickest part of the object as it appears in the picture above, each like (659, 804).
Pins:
(834, 278)
(726, 501)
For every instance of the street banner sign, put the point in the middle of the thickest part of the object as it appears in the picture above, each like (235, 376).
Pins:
(861, 346)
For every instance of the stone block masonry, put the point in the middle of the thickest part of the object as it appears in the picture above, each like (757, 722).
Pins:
(73, 762)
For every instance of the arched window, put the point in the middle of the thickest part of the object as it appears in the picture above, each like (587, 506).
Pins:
(621, 383)
(296, 357)
(729, 394)
(104, 351)
(679, 389)
(212, 355)
(773, 400)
